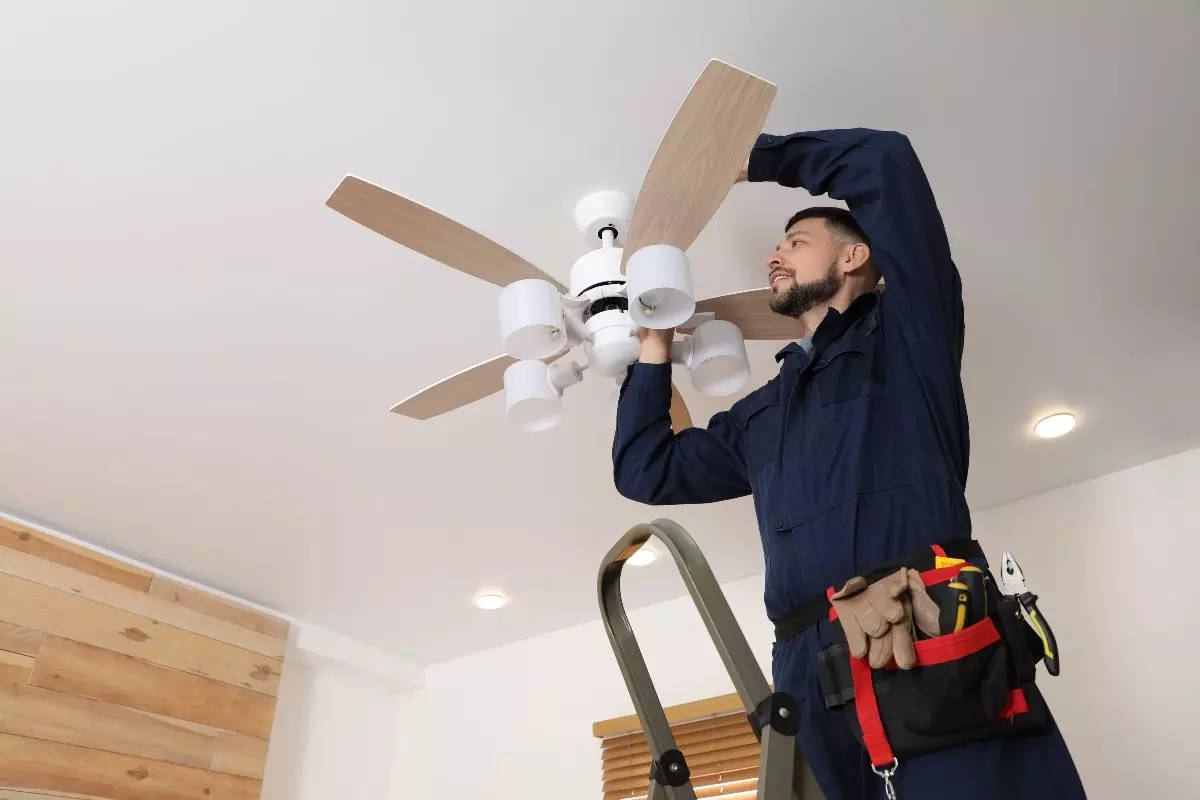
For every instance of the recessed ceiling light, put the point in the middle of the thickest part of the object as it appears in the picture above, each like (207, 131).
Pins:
(643, 557)
(490, 602)
(1055, 425)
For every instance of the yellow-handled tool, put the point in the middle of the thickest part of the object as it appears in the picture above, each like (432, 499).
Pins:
(955, 608)
(1014, 583)
(971, 576)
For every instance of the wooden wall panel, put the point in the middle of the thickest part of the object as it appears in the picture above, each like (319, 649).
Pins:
(240, 755)
(67, 666)
(60, 551)
(53, 767)
(57, 717)
(16, 639)
(56, 576)
(219, 607)
(116, 685)
(14, 666)
(73, 617)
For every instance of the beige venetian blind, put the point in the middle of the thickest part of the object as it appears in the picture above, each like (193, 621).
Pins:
(719, 744)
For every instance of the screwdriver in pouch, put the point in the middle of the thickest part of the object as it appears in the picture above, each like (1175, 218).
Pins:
(954, 608)
(971, 577)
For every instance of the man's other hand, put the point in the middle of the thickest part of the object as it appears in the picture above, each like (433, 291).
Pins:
(656, 345)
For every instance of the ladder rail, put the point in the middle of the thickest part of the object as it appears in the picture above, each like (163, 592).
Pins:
(782, 772)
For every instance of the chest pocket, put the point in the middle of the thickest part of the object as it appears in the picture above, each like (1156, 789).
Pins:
(761, 422)
(849, 375)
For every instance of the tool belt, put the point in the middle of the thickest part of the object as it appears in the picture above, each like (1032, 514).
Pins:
(970, 684)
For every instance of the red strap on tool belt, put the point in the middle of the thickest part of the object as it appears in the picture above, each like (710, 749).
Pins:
(928, 652)
(878, 748)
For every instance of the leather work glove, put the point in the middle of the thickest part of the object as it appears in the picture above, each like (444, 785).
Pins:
(878, 619)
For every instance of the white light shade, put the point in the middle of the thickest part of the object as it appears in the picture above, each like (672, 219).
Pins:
(658, 284)
(531, 401)
(1055, 425)
(718, 362)
(643, 557)
(531, 319)
(490, 602)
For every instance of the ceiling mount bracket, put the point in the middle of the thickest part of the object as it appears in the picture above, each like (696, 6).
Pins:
(601, 211)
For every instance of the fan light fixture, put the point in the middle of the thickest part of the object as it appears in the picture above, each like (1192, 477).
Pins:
(613, 345)
(659, 287)
(531, 319)
(1055, 425)
(716, 358)
(643, 557)
(635, 276)
(533, 392)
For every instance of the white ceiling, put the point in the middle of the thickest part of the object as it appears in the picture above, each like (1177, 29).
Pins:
(198, 356)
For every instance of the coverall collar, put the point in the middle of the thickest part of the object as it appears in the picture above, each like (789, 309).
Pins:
(834, 324)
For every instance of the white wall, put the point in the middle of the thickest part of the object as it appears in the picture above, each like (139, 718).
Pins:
(1111, 558)
(336, 718)
(334, 736)
(1113, 561)
(482, 721)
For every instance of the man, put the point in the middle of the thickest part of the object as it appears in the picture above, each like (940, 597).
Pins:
(856, 453)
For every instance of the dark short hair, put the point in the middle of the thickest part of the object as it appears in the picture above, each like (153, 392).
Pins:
(840, 222)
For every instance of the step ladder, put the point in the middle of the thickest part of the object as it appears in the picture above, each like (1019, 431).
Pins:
(783, 773)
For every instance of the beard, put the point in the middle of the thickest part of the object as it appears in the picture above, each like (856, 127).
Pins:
(803, 297)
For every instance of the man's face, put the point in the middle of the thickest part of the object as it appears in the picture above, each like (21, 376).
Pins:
(803, 270)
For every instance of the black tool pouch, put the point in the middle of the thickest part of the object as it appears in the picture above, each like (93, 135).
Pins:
(975, 684)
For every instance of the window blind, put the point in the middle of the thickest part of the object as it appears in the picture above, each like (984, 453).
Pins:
(721, 750)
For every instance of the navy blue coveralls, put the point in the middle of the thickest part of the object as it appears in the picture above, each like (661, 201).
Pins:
(854, 456)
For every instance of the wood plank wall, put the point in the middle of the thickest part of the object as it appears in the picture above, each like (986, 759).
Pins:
(117, 683)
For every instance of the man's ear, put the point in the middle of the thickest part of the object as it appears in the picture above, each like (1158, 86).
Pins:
(855, 257)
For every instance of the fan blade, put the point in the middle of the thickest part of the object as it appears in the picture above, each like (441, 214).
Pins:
(751, 312)
(680, 418)
(699, 158)
(431, 234)
(460, 389)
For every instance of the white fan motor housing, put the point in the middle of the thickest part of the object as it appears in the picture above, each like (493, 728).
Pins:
(594, 269)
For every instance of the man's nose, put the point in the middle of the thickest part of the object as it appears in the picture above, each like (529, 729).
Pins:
(774, 261)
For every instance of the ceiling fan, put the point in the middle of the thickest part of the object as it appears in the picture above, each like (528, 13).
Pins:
(637, 275)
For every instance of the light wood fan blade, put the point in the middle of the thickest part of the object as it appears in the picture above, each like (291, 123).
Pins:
(698, 160)
(751, 312)
(460, 389)
(681, 419)
(429, 233)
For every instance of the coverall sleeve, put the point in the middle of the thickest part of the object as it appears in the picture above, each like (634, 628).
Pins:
(879, 177)
(653, 465)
